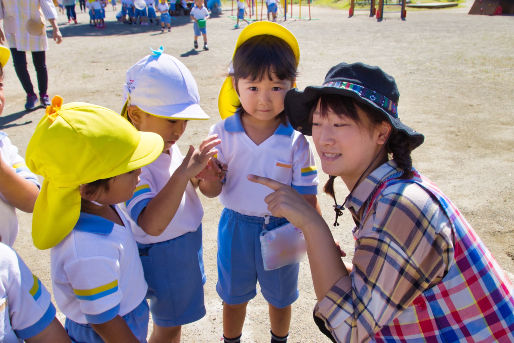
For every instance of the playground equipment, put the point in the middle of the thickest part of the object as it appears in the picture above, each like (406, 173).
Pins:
(253, 10)
(379, 11)
(492, 7)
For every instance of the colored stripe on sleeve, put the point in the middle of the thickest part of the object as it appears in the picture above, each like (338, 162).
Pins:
(137, 192)
(283, 165)
(140, 190)
(309, 171)
(98, 292)
(306, 189)
(38, 326)
(104, 316)
(35, 291)
(136, 210)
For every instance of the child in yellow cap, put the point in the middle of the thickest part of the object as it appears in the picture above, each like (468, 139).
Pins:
(19, 187)
(256, 138)
(161, 97)
(26, 309)
(90, 159)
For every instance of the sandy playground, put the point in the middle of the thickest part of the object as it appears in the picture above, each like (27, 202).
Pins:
(454, 72)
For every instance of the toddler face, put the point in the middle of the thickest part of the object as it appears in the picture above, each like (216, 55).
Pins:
(170, 130)
(263, 99)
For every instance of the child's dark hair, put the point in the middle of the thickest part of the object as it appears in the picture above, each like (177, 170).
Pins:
(93, 187)
(261, 56)
(397, 144)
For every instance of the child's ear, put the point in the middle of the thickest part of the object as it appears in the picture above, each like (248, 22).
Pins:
(87, 194)
(234, 84)
(134, 115)
(383, 132)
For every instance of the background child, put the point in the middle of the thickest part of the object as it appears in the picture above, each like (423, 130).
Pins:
(163, 9)
(19, 187)
(258, 139)
(199, 14)
(240, 13)
(272, 9)
(150, 4)
(161, 97)
(97, 277)
(26, 310)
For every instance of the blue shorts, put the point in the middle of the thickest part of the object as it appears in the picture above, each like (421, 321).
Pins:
(165, 18)
(240, 263)
(175, 276)
(272, 8)
(141, 12)
(151, 13)
(137, 321)
(198, 30)
(131, 11)
(99, 14)
(241, 13)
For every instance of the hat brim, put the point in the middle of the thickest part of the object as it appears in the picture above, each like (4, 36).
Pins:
(228, 99)
(191, 112)
(298, 106)
(5, 53)
(57, 208)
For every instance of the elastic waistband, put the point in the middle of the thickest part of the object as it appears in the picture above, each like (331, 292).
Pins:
(252, 219)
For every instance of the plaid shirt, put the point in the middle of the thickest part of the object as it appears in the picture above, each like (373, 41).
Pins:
(417, 275)
(16, 14)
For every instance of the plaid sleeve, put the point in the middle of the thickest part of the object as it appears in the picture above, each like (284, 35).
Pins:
(305, 172)
(11, 157)
(142, 195)
(404, 248)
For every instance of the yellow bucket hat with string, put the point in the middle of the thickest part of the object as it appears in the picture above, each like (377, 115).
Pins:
(228, 99)
(75, 144)
(5, 53)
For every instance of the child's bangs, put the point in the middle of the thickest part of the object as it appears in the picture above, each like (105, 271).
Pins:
(262, 56)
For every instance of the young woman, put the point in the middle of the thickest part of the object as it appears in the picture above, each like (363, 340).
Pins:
(420, 272)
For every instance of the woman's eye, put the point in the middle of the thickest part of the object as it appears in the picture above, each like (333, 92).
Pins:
(277, 89)
(253, 89)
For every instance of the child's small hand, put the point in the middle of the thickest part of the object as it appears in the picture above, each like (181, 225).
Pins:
(214, 171)
(196, 159)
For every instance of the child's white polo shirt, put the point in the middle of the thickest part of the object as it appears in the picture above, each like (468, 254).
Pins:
(96, 270)
(8, 219)
(285, 157)
(25, 305)
(152, 180)
(199, 13)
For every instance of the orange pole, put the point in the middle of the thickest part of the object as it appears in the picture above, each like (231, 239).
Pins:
(309, 2)
(300, 12)
(291, 14)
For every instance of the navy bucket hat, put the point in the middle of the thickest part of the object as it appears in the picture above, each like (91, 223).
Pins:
(368, 85)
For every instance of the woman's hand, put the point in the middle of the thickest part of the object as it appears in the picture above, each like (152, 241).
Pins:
(286, 202)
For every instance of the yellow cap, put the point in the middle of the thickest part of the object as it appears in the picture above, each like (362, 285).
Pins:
(75, 144)
(228, 100)
(4, 55)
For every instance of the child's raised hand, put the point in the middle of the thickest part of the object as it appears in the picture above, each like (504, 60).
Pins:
(196, 159)
(214, 171)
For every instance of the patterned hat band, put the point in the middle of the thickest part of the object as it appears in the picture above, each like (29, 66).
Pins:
(368, 94)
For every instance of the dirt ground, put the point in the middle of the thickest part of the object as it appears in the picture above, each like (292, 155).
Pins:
(454, 72)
